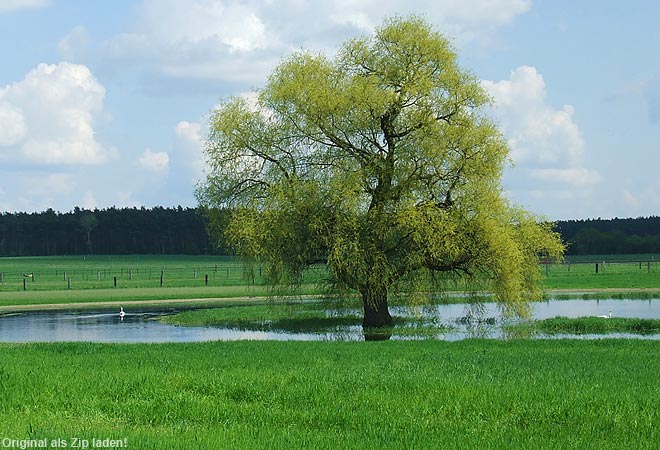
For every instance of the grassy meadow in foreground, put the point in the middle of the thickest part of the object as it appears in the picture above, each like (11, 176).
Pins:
(390, 395)
(568, 394)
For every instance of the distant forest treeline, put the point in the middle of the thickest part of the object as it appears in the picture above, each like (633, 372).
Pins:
(183, 231)
(611, 236)
(106, 231)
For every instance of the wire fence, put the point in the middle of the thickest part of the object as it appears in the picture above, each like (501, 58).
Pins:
(234, 273)
(601, 266)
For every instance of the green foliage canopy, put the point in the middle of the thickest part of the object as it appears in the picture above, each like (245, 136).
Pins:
(381, 162)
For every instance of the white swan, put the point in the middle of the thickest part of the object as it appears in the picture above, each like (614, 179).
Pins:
(606, 316)
(121, 313)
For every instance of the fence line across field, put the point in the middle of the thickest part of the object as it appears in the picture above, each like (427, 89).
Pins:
(60, 278)
(225, 274)
(227, 270)
(602, 265)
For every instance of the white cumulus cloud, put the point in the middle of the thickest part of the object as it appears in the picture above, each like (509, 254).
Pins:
(155, 161)
(537, 132)
(546, 144)
(198, 39)
(544, 141)
(50, 115)
(190, 134)
(198, 22)
(240, 41)
(12, 124)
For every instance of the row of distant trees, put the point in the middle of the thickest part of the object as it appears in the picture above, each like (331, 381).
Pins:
(184, 231)
(107, 231)
(611, 236)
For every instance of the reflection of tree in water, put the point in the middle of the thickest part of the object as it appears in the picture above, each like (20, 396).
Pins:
(344, 334)
(476, 321)
(518, 332)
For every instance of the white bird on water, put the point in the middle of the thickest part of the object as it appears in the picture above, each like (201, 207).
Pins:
(121, 313)
(606, 316)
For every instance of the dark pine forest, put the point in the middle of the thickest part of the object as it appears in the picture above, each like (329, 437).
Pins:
(108, 231)
(184, 231)
(611, 236)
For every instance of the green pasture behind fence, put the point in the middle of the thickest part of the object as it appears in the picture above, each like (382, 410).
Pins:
(59, 273)
(140, 271)
(641, 273)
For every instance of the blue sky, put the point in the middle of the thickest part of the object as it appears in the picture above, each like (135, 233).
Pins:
(104, 103)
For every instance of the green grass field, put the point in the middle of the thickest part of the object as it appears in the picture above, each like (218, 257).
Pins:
(392, 395)
(619, 271)
(91, 279)
(138, 271)
(397, 394)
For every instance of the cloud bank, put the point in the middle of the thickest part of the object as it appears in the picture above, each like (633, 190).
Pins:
(545, 141)
(48, 117)
(240, 41)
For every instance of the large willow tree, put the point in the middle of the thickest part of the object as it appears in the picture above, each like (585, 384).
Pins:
(381, 163)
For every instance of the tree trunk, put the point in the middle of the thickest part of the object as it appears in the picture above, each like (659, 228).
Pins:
(376, 314)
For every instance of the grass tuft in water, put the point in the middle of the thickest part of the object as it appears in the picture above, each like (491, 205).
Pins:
(585, 325)
(597, 325)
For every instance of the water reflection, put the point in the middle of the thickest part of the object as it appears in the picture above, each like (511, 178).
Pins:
(136, 327)
(452, 322)
(645, 309)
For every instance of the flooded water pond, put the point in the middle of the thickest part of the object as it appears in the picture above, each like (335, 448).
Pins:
(108, 327)
(461, 321)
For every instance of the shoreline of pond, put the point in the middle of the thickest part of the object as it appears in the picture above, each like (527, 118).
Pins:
(205, 302)
(451, 321)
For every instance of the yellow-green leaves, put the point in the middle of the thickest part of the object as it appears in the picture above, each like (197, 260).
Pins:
(381, 163)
